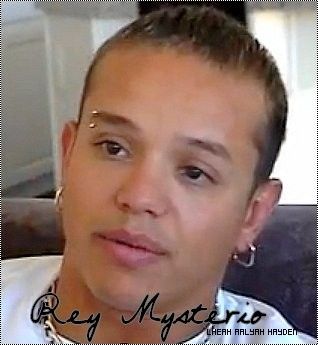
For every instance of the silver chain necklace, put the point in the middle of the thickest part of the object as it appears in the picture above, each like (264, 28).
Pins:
(53, 337)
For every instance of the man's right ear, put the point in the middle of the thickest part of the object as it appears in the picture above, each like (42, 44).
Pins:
(69, 134)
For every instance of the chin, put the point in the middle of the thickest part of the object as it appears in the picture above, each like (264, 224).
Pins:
(121, 299)
(119, 291)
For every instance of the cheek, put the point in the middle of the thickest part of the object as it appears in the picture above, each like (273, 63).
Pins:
(89, 193)
(211, 226)
(91, 179)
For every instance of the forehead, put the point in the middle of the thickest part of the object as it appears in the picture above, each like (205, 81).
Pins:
(170, 90)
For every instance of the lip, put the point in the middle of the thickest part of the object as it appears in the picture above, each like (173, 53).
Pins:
(131, 250)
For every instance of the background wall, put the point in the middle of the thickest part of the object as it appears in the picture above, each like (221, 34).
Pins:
(291, 36)
(27, 144)
(18, 10)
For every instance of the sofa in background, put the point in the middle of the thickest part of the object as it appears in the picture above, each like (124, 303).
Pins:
(284, 275)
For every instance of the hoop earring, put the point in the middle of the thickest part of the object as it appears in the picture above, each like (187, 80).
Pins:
(251, 260)
(58, 197)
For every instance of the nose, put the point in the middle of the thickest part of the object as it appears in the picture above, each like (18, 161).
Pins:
(143, 191)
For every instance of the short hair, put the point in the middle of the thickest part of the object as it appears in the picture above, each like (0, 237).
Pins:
(221, 40)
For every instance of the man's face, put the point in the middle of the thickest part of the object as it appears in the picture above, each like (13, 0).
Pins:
(175, 164)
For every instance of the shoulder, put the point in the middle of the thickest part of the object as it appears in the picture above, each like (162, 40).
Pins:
(25, 276)
(15, 270)
(276, 329)
(248, 304)
(27, 263)
(22, 282)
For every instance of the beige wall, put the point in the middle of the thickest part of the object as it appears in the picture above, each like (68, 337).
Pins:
(25, 110)
(290, 35)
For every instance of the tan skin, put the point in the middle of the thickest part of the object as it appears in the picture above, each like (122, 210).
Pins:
(148, 185)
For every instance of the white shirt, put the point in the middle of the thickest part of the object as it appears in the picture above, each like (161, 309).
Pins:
(24, 280)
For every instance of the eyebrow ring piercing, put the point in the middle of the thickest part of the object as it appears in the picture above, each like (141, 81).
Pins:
(94, 113)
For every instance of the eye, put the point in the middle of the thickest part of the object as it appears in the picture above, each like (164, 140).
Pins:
(113, 148)
(194, 173)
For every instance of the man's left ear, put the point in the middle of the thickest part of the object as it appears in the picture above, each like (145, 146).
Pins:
(260, 208)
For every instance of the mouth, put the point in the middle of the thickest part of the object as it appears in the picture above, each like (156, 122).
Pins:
(131, 245)
(129, 250)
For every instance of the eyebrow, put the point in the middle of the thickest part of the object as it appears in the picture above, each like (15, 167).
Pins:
(116, 120)
(215, 148)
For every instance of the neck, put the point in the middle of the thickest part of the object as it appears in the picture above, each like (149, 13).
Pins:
(99, 322)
